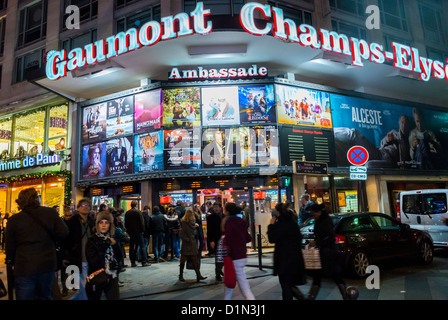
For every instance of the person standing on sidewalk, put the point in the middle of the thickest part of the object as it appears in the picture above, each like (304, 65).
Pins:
(237, 236)
(288, 260)
(213, 228)
(159, 225)
(135, 226)
(80, 228)
(30, 243)
(189, 247)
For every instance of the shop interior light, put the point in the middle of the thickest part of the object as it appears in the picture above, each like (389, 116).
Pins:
(217, 51)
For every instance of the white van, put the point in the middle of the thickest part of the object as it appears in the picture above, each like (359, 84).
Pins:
(423, 210)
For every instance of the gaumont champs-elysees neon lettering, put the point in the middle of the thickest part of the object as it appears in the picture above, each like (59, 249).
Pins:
(403, 57)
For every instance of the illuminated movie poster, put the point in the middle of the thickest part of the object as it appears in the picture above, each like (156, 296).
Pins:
(94, 122)
(120, 119)
(120, 156)
(303, 107)
(220, 147)
(220, 106)
(259, 146)
(94, 160)
(181, 108)
(182, 149)
(148, 110)
(148, 152)
(257, 104)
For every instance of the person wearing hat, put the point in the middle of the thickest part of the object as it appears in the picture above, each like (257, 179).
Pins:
(103, 255)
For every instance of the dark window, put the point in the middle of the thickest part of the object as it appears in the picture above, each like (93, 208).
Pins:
(122, 3)
(432, 23)
(393, 14)
(361, 223)
(2, 35)
(296, 15)
(136, 20)
(3, 4)
(435, 54)
(28, 64)
(88, 9)
(349, 30)
(386, 223)
(217, 7)
(32, 23)
(434, 203)
(79, 41)
(351, 6)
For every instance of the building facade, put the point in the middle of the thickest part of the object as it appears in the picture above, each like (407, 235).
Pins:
(223, 100)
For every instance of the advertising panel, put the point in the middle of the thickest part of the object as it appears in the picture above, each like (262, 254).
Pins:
(94, 123)
(94, 160)
(181, 108)
(220, 106)
(259, 146)
(303, 107)
(182, 149)
(149, 152)
(257, 104)
(221, 147)
(120, 156)
(395, 136)
(120, 119)
(148, 110)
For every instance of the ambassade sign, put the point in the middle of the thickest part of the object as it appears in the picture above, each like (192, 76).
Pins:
(403, 56)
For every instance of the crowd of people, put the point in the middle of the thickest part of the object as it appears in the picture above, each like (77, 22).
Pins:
(41, 246)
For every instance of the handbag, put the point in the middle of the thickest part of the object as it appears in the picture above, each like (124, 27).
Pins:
(311, 258)
(97, 278)
(229, 268)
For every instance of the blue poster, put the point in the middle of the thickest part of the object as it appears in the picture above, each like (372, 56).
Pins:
(148, 152)
(396, 136)
(257, 104)
(94, 160)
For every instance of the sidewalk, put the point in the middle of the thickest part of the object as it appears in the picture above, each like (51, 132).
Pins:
(163, 277)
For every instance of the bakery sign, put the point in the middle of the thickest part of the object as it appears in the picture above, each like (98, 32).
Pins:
(39, 159)
(58, 63)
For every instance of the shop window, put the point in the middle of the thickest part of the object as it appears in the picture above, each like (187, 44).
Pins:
(5, 138)
(28, 65)
(32, 23)
(136, 20)
(2, 35)
(80, 41)
(217, 7)
(29, 133)
(432, 23)
(393, 14)
(18, 186)
(88, 9)
(53, 194)
(57, 131)
(351, 6)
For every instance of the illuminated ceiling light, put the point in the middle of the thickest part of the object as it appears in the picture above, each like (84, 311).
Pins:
(217, 51)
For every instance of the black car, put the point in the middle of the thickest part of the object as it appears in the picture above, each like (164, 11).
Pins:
(365, 238)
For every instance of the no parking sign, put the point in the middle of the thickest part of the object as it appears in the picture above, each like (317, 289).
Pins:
(357, 155)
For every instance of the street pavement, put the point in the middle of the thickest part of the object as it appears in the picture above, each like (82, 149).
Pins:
(400, 280)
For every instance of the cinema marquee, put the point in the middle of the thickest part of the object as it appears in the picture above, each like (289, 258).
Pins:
(403, 57)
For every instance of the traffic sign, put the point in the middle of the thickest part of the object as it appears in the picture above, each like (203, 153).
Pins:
(310, 167)
(358, 169)
(358, 176)
(357, 155)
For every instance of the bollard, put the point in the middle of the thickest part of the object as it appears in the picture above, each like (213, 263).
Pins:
(260, 265)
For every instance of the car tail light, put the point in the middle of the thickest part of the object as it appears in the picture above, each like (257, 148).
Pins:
(340, 239)
(398, 211)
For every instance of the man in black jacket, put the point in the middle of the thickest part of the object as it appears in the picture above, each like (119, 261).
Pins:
(214, 228)
(80, 227)
(159, 225)
(30, 240)
(135, 226)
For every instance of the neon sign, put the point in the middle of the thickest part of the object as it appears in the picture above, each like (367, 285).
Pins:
(402, 56)
(223, 73)
(39, 159)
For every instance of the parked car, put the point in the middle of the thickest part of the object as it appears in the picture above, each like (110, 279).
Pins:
(423, 210)
(366, 238)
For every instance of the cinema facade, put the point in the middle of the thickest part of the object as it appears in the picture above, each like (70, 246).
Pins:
(198, 109)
